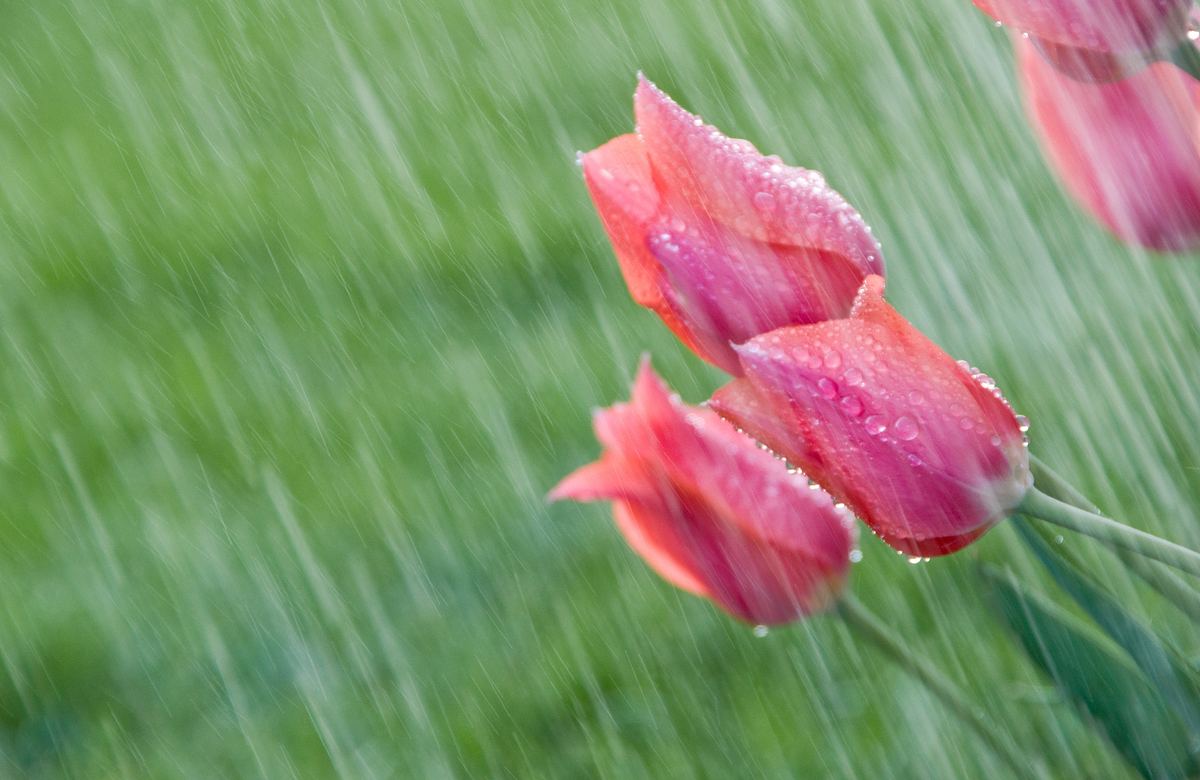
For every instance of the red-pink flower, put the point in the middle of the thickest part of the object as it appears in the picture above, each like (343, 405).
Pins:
(1095, 28)
(1126, 150)
(722, 242)
(920, 447)
(711, 512)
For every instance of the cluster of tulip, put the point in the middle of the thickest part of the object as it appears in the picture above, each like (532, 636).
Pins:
(767, 273)
(837, 406)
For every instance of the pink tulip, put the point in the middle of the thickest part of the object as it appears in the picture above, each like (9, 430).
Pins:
(1102, 26)
(711, 512)
(1127, 151)
(720, 241)
(920, 447)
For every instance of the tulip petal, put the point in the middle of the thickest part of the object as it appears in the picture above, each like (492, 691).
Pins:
(1101, 25)
(604, 480)
(659, 546)
(711, 512)
(920, 449)
(618, 177)
(738, 187)
(774, 426)
(750, 488)
(1127, 150)
(730, 288)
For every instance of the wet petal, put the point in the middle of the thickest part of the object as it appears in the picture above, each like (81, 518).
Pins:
(877, 414)
(738, 187)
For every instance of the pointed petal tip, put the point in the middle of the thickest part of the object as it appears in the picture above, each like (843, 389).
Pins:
(870, 291)
(648, 386)
(590, 482)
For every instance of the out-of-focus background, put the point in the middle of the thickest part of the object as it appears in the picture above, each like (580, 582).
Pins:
(304, 308)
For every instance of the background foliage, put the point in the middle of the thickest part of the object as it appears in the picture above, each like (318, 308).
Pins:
(304, 307)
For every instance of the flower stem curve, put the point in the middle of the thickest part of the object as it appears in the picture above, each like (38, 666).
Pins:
(1051, 510)
(1169, 585)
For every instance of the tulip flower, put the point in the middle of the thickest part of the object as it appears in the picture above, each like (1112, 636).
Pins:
(720, 241)
(1127, 151)
(1096, 40)
(711, 512)
(923, 449)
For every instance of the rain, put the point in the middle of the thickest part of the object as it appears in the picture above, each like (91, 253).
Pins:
(306, 308)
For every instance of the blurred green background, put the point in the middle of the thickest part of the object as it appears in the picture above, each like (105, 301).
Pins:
(304, 308)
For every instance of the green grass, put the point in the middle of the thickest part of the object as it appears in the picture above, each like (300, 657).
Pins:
(304, 310)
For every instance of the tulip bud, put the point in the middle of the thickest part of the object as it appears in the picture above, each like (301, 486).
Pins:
(1127, 151)
(923, 449)
(711, 512)
(720, 241)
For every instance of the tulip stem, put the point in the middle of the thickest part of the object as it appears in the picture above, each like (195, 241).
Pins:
(1117, 535)
(1169, 585)
(1186, 57)
(867, 626)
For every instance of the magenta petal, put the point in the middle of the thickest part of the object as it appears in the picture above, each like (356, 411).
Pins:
(926, 454)
(757, 196)
(711, 512)
(1099, 25)
(729, 288)
(1128, 151)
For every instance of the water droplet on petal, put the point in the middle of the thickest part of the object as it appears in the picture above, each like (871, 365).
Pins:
(761, 631)
(905, 428)
(833, 359)
(851, 405)
(852, 377)
(875, 424)
(764, 201)
(827, 387)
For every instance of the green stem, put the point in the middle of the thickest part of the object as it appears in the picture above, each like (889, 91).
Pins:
(1044, 507)
(870, 628)
(1168, 584)
(1186, 57)
(1055, 485)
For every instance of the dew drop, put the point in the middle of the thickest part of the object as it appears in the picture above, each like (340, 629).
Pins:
(855, 556)
(915, 559)
(833, 359)
(1023, 423)
(852, 377)
(764, 201)
(851, 405)
(827, 387)
(761, 631)
(1058, 539)
(905, 428)
(875, 424)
